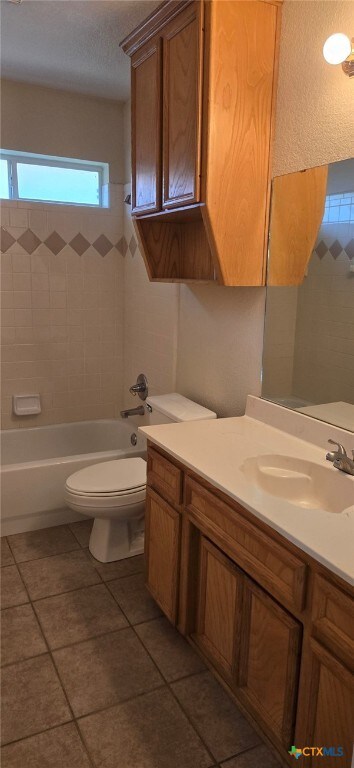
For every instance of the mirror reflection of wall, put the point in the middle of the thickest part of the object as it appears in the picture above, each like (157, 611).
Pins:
(308, 360)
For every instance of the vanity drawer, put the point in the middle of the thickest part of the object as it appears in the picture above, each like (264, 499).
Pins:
(164, 477)
(280, 572)
(333, 619)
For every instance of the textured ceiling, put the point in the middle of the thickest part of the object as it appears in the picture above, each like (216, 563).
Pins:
(70, 44)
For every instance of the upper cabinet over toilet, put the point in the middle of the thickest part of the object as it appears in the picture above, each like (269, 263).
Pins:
(203, 92)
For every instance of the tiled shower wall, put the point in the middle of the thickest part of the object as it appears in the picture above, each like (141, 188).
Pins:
(62, 274)
(324, 339)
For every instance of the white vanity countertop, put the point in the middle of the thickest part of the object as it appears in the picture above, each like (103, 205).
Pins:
(217, 449)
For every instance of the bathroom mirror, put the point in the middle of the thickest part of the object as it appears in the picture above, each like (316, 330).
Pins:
(308, 355)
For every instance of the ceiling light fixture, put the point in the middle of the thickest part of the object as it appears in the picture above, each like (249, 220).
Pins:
(339, 49)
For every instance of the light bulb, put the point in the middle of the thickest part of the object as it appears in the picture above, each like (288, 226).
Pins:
(337, 48)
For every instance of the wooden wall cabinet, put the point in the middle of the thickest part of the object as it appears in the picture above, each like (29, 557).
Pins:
(203, 94)
(283, 650)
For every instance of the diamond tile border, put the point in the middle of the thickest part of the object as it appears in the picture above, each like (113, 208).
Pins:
(29, 241)
(335, 249)
(55, 243)
(7, 240)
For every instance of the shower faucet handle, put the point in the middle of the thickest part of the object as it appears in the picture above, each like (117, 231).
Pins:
(140, 388)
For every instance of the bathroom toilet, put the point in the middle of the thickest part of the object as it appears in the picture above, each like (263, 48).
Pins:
(113, 492)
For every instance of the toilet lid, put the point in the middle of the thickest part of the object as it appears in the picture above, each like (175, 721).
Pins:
(109, 477)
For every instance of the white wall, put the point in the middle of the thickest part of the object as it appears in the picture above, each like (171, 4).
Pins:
(59, 123)
(314, 125)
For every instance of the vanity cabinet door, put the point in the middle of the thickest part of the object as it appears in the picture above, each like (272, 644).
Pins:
(182, 108)
(327, 715)
(218, 608)
(162, 553)
(146, 128)
(269, 662)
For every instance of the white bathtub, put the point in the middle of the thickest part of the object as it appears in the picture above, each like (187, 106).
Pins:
(36, 462)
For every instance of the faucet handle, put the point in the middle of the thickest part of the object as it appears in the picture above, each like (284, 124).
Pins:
(340, 448)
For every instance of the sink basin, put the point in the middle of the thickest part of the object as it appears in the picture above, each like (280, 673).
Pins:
(303, 483)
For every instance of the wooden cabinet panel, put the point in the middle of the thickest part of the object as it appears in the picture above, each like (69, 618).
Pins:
(181, 108)
(236, 172)
(269, 662)
(333, 620)
(280, 572)
(219, 597)
(164, 477)
(329, 720)
(146, 128)
(162, 551)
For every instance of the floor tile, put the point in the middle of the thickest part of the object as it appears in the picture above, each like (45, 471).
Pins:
(58, 748)
(133, 598)
(106, 670)
(215, 716)
(12, 590)
(61, 573)
(79, 615)
(259, 757)
(21, 637)
(148, 732)
(6, 556)
(82, 531)
(43, 543)
(119, 568)
(32, 699)
(171, 653)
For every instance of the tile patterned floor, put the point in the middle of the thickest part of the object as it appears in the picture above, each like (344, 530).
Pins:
(93, 676)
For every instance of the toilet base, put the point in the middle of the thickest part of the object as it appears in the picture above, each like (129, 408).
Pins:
(112, 540)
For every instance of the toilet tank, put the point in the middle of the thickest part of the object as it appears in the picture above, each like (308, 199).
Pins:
(166, 409)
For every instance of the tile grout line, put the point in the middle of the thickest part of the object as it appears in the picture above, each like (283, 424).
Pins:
(70, 710)
(165, 683)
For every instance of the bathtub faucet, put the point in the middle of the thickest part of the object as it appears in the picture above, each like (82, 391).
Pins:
(139, 411)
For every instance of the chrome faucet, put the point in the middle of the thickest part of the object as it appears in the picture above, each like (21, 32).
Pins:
(139, 411)
(339, 458)
(140, 387)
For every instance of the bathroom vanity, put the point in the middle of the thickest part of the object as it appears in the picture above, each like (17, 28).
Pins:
(261, 586)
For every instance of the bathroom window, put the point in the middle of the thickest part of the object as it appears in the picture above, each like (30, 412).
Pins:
(339, 209)
(38, 178)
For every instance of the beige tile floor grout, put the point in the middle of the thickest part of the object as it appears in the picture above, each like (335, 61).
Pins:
(166, 684)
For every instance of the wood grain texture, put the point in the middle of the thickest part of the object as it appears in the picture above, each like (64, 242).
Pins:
(269, 662)
(238, 107)
(219, 596)
(182, 68)
(146, 128)
(164, 12)
(328, 717)
(281, 573)
(333, 620)
(162, 552)
(256, 652)
(175, 250)
(164, 477)
(298, 201)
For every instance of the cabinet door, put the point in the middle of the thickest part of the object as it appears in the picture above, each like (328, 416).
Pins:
(329, 720)
(182, 106)
(220, 588)
(146, 128)
(269, 662)
(162, 546)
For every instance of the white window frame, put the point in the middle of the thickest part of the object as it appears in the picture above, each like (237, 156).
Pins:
(13, 158)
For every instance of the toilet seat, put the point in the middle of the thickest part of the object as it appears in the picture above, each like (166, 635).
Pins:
(109, 479)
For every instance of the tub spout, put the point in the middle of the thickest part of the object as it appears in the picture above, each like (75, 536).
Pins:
(139, 411)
